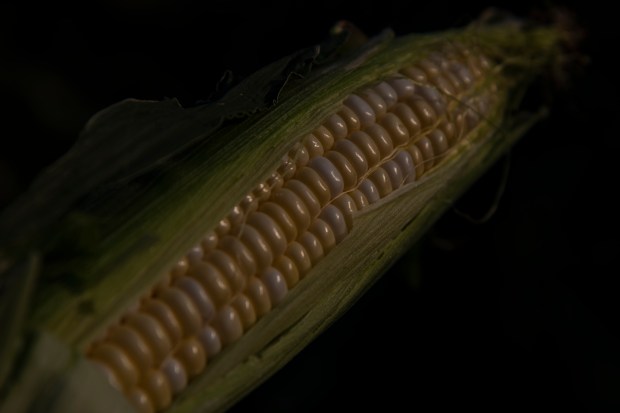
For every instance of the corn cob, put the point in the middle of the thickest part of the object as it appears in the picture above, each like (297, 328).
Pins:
(383, 137)
(400, 126)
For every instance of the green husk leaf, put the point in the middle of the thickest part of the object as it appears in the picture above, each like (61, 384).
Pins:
(13, 311)
(133, 137)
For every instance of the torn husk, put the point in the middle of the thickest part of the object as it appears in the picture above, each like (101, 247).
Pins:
(156, 177)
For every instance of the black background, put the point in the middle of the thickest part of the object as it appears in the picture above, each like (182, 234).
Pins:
(519, 313)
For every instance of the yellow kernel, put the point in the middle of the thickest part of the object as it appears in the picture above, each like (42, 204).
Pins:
(192, 356)
(213, 281)
(118, 361)
(245, 309)
(157, 389)
(140, 400)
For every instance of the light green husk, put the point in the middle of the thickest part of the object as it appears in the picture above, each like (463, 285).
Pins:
(120, 248)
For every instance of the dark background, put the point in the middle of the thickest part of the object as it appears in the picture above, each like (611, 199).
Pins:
(516, 314)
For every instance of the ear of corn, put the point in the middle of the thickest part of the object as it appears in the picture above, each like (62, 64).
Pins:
(141, 232)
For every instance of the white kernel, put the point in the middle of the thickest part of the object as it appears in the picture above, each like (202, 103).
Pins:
(432, 96)
(312, 245)
(346, 204)
(382, 139)
(381, 179)
(415, 74)
(195, 254)
(362, 109)
(175, 373)
(213, 281)
(403, 86)
(275, 182)
(370, 191)
(249, 203)
(287, 169)
(299, 155)
(454, 80)
(288, 269)
(350, 118)
(439, 142)
(210, 340)
(354, 154)
(418, 160)
(229, 325)
(371, 151)
(183, 308)
(406, 115)
(375, 101)
(439, 59)
(179, 268)
(329, 173)
(153, 332)
(284, 220)
(260, 248)
(388, 94)
(236, 249)
(223, 227)
(275, 284)
(336, 126)
(423, 110)
(426, 147)
(313, 145)
(429, 68)
(163, 283)
(335, 218)
(396, 175)
(300, 257)
(346, 169)
(262, 191)
(359, 198)
(405, 162)
(235, 217)
(449, 131)
(395, 127)
(313, 194)
(294, 206)
(445, 86)
(463, 73)
(270, 230)
(209, 241)
(324, 234)
(258, 294)
(229, 267)
(199, 296)
(166, 317)
(133, 344)
(325, 137)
